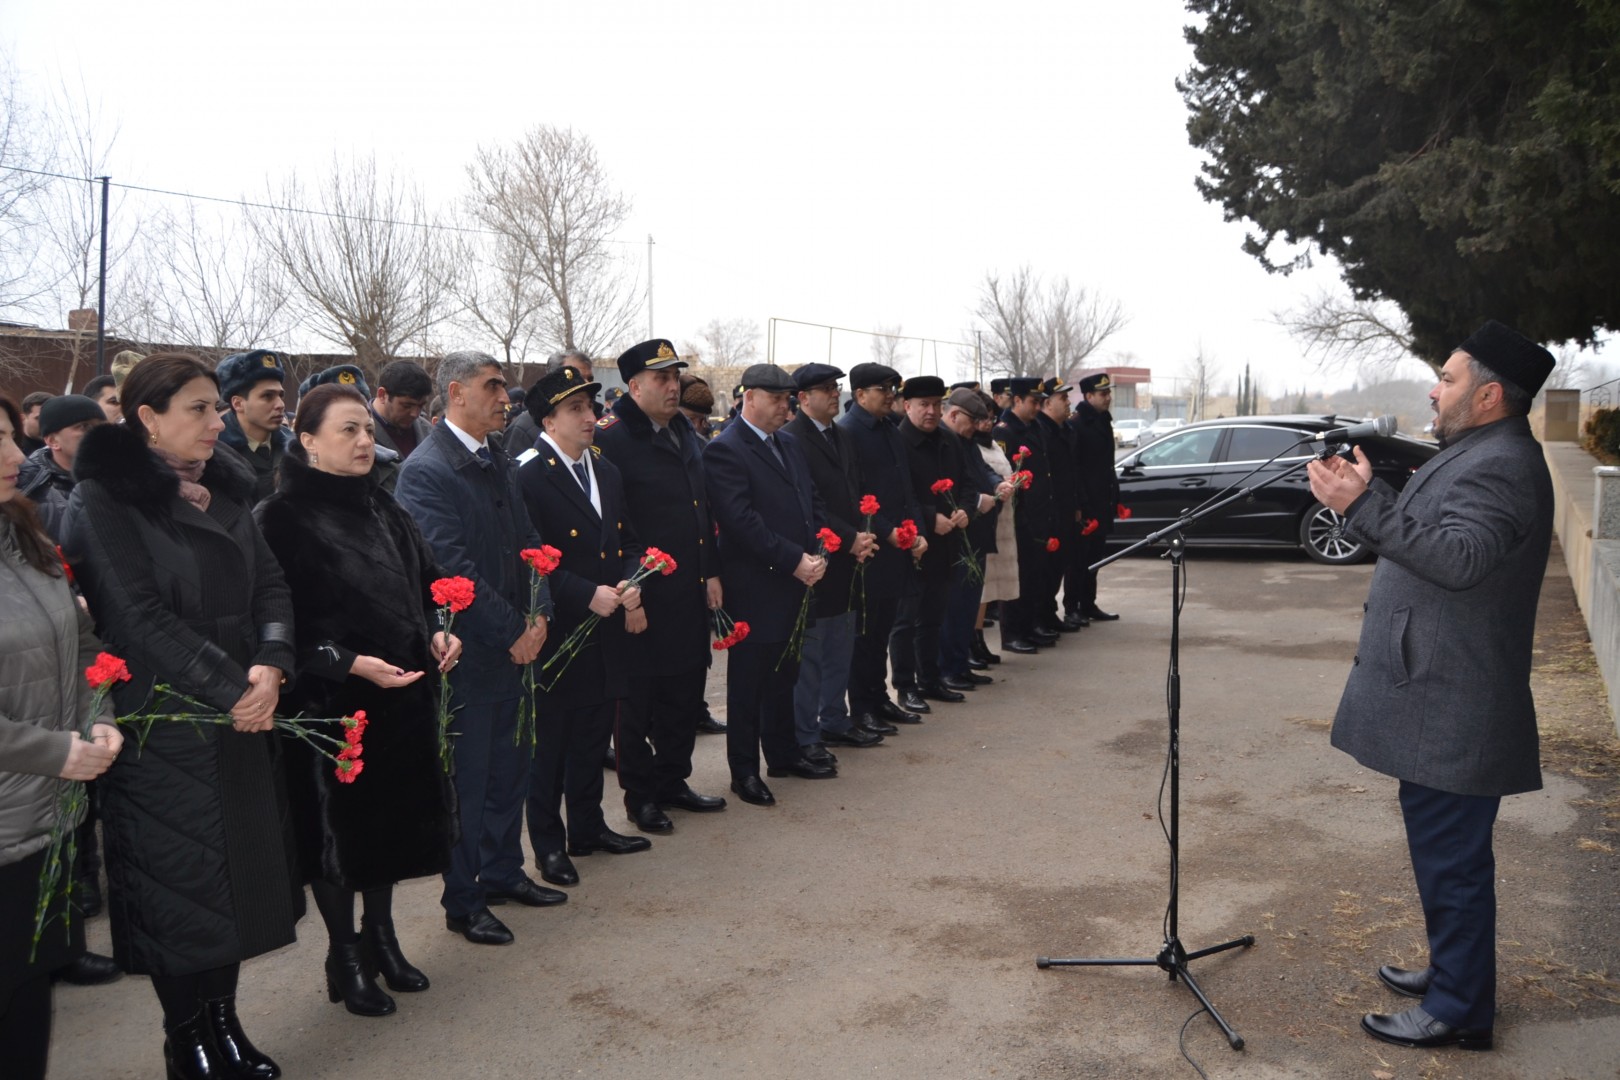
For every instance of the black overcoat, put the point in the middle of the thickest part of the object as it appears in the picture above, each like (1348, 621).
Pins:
(198, 843)
(885, 475)
(1092, 437)
(360, 571)
(836, 474)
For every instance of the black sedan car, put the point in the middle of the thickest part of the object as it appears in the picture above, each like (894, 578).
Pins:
(1189, 465)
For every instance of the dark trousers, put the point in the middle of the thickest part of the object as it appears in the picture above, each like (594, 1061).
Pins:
(1018, 616)
(1449, 837)
(656, 729)
(1080, 584)
(491, 777)
(25, 1028)
(1050, 565)
(961, 612)
(914, 641)
(569, 744)
(759, 706)
(869, 664)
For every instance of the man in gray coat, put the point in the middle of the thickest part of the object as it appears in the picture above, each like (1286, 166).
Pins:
(1439, 696)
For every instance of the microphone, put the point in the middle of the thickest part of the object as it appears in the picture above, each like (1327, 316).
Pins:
(1384, 425)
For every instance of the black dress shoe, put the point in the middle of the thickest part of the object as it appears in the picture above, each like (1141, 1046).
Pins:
(243, 1058)
(611, 842)
(912, 702)
(978, 680)
(818, 754)
(975, 664)
(1413, 984)
(1419, 1030)
(803, 768)
(87, 896)
(1044, 638)
(958, 682)
(1019, 647)
(888, 710)
(854, 735)
(687, 799)
(650, 818)
(558, 869)
(1097, 614)
(875, 724)
(751, 789)
(91, 969)
(940, 692)
(347, 981)
(526, 893)
(710, 726)
(1072, 623)
(480, 928)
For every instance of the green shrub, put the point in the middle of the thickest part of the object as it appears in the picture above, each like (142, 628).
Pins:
(1603, 435)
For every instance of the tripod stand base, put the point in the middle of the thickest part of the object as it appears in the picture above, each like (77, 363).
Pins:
(1173, 958)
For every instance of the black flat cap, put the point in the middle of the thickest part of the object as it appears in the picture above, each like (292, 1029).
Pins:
(67, 410)
(815, 374)
(551, 389)
(767, 377)
(862, 376)
(1511, 355)
(654, 355)
(920, 386)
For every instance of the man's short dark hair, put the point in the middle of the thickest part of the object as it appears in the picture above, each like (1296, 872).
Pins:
(405, 378)
(557, 360)
(96, 385)
(1514, 399)
(35, 400)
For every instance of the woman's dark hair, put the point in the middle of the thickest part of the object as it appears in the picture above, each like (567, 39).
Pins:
(313, 406)
(155, 381)
(36, 548)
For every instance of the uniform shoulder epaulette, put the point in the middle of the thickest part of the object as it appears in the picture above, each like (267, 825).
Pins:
(608, 420)
(597, 450)
(527, 455)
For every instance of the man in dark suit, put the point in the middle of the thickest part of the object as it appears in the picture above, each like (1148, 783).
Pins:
(462, 490)
(1053, 423)
(1439, 696)
(577, 499)
(403, 392)
(885, 475)
(820, 707)
(965, 416)
(1092, 436)
(767, 512)
(1034, 516)
(660, 459)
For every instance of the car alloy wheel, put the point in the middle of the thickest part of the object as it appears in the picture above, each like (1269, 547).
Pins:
(1321, 534)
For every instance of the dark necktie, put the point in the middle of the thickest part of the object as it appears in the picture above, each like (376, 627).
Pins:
(832, 440)
(483, 454)
(584, 477)
(669, 437)
(770, 440)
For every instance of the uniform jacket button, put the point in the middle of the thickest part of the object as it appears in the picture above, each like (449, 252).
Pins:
(1356, 662)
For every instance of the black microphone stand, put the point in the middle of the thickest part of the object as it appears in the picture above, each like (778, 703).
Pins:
(1173, 958)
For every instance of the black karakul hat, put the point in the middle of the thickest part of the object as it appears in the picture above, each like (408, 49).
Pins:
(863, 376)
(551, 388)
(815, 374)
(654, 355)
(920, 386)
(1511, 355)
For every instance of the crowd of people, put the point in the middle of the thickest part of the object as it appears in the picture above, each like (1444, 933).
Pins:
(501, 599)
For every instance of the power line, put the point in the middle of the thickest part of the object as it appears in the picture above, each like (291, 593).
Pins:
(279, 208)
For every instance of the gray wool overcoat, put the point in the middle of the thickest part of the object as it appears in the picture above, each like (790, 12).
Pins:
(1440, 691)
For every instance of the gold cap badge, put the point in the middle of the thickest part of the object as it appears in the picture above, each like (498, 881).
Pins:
(346, 378)
(665, 352)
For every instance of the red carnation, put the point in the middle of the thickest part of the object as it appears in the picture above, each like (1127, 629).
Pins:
(455, 593)
(1122, 511)
(351, 752)
(66, 569)
(869, 505)
(1052, 544)
(738, 632)
(542, 560)
(940, 487)
(1024, 452)
(659, 561)
(347, 771)
(107, 670)
(829, 540)
(907, 534)
(1091, 526)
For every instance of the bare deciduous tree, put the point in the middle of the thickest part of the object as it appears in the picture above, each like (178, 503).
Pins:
(1074, 321)
(1341, 330)
(888, 347)
(549, 195)
(1034, 331)
(24, 151)
(366, 267)
(1007, 310)
(1200, 374)
(732, 343)
(500, 291)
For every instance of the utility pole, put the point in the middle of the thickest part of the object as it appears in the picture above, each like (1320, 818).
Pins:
(101, 287)
(651, 333)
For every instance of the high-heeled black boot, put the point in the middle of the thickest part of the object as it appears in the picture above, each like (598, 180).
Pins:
(981, 651)
(241, 1056)
(189, 1052)
(347, 982)
(379, 953)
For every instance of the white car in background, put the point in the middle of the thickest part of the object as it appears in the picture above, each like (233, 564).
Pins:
(1158, 429)
(1126, 432)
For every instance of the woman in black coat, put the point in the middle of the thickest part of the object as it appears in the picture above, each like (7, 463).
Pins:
(360, 575)
(160, 534)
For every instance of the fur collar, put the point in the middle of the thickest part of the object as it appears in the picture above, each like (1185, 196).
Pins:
(299, 480)
(117, 458)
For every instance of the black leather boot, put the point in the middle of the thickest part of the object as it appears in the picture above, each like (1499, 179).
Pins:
(189, 1052)
(348, 983)
(241, 1057)
(980, 651)
(379, 953)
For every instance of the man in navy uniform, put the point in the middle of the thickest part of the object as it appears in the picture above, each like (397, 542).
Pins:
(253, 385)
(767, 512)
(1092, 433)
(660, 459)
(1439, 696)
(1053, 423)
(1034, 517)
(885, 475)
(576, 498)
(820, 705)
(462, 490)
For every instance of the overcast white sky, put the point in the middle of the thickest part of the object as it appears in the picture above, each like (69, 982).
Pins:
(847, 163)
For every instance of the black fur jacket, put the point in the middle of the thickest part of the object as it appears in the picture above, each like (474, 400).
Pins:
(360, 574)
